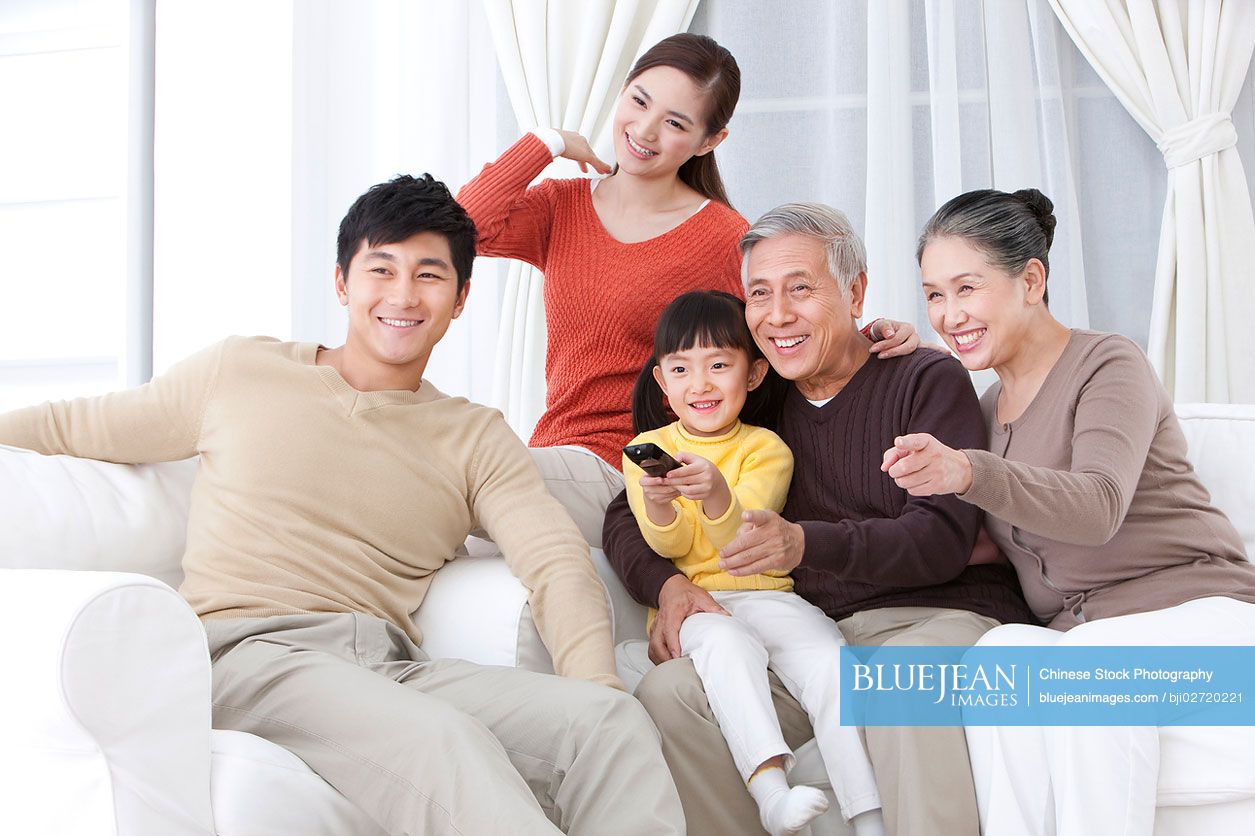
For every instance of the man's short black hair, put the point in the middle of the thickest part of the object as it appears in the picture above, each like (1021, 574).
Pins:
(404, 206)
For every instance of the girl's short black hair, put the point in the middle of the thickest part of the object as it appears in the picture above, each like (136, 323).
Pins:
(703, 318)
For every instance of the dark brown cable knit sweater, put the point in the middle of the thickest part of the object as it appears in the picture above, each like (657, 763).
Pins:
(868, 543)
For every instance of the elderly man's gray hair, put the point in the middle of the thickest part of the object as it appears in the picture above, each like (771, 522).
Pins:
(844, 249)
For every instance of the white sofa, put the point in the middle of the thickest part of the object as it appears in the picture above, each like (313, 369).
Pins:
(105, 717)
(105, 712)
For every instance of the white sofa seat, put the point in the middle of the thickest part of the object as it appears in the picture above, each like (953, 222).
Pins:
(105, 726)
(260, 789)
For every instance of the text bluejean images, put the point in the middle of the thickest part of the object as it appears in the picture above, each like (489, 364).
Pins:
(1045, 686)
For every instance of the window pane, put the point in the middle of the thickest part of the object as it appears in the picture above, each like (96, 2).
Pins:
(63, 280)
(71, 106)
(63, 88)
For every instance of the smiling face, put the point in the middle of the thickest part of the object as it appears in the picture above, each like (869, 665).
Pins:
(984, 314)
(801, 319)
(659, 123)
(706, 386)
(401, 298)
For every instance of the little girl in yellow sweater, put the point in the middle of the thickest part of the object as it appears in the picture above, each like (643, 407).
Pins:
(712, 374)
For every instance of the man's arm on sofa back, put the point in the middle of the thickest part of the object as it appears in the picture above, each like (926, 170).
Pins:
(157, 422)
(545, 551)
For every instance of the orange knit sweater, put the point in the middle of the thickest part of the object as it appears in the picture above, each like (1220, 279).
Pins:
(602, 297)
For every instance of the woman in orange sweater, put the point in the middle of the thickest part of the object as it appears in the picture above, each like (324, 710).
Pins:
(615, 251)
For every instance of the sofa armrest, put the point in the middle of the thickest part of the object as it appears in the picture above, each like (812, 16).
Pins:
(106, 706)
(477, 610)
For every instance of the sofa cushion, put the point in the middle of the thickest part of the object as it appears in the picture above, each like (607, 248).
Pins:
(259, 788)
(1221, 440)
(1205, 764)
(60, 512)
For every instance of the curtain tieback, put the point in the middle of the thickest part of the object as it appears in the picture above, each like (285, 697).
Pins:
(1197, 138)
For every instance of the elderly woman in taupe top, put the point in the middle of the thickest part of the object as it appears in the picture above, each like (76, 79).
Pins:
(1088, 492)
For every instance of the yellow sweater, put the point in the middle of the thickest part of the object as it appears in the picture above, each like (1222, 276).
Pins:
(757, 466)
(313, 497)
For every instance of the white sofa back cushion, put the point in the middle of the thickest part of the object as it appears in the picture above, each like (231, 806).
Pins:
(60, 512)
(1221, 439)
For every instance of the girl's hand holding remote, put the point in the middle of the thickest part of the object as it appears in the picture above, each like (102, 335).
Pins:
(699, 479)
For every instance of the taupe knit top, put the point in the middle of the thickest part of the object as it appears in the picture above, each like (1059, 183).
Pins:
(1091, 496)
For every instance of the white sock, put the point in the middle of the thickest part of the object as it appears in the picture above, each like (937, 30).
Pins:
(869, 823)
(785, 811)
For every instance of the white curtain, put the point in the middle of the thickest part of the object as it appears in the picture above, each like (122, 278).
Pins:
(563, 62)
(1025, 144)
(259, 157)
(1178, 67)
(888, 109)
(381, 88)
(333, 97)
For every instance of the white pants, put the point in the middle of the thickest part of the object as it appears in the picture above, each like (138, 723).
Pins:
(1100, 780)
(802, 645)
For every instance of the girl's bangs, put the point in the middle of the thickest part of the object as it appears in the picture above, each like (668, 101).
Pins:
(703, 318)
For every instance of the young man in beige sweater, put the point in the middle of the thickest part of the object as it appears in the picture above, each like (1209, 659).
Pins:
(333, 484)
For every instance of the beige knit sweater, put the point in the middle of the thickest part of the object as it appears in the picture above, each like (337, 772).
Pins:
(314, 497)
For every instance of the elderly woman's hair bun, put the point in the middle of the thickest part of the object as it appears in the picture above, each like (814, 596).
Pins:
(1043, 210)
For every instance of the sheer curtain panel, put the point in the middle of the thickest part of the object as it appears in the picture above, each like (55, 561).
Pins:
(72, 197)
(260, 156)
(888, 109)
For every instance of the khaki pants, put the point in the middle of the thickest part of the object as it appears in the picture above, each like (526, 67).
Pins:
(922, 772)
(584, 484)
(435, 747)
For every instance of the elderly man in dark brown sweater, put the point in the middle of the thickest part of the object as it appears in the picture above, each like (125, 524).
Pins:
(891, 569)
